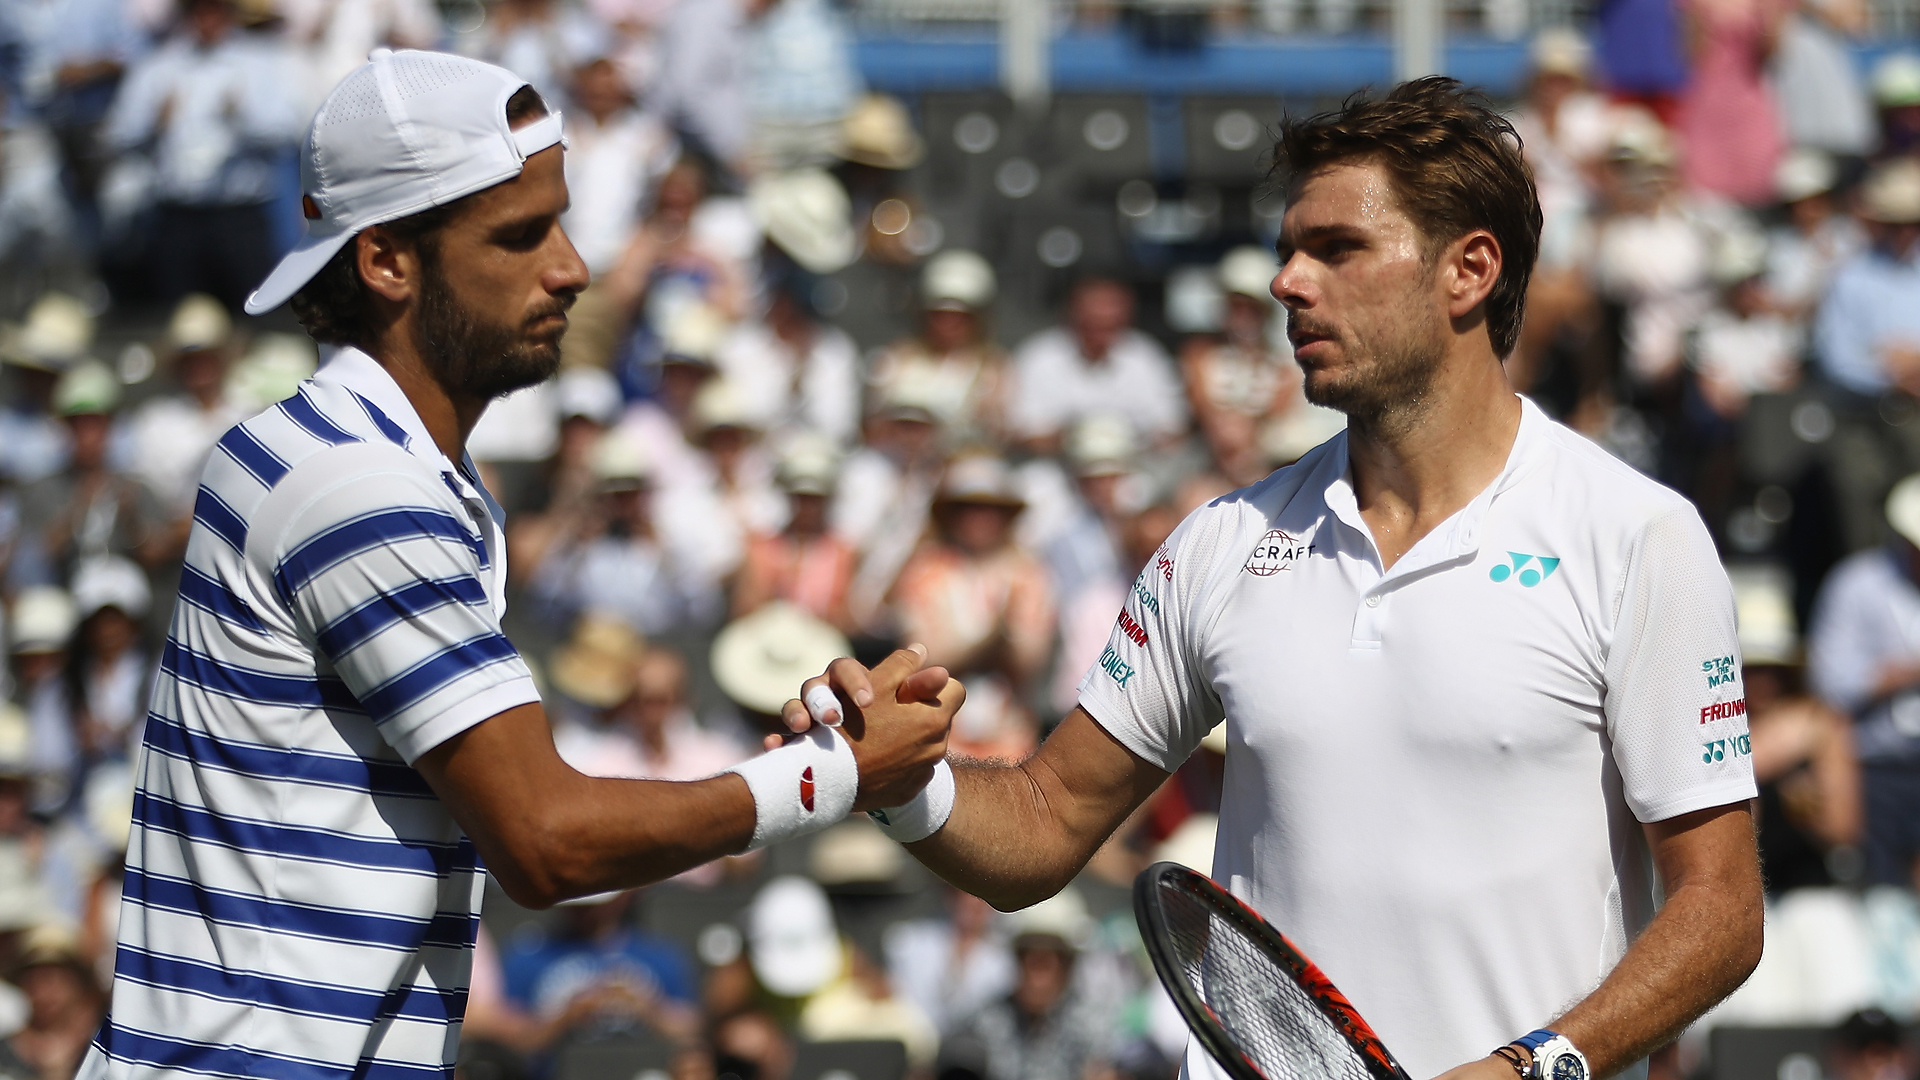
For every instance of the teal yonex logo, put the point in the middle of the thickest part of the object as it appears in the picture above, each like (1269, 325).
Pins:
(1530, 569)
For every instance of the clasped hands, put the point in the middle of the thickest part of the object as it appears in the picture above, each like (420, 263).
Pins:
(896, 717)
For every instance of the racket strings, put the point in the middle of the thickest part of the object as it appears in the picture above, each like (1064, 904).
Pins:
(1275, 1023)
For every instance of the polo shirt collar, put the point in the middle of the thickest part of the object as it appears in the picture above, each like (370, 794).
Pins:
(370, 379)
(1459, 535)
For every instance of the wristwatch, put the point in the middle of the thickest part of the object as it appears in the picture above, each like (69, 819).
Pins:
(1554, 1056)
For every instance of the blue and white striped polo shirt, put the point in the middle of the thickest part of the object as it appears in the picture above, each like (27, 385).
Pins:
(298, 904)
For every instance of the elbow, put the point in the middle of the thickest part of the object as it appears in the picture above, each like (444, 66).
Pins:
(534, 868)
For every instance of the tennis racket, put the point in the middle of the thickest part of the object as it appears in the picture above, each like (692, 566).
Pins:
(1263, 1010)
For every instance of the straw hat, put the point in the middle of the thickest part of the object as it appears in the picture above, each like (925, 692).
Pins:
(807, 214)
(1890, 194)
(1249, 271)
(957, 280)
(719, 404)
(1061, 919)
(879, 132)
(760, 660)
(1896, 81)
(1102, 445)
(810, 466)
(979, 479)
(1903, 509)
(692, 335)
(87, 389)
(199, 322)
(273, 369)
(43, 620)
(590, 392)
(1804, 173)
(56, 335)
(1561, 51)
(620, 463)
(595, 667)
(1763, 607)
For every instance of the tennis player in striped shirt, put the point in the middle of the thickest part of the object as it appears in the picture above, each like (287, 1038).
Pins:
(340, 733)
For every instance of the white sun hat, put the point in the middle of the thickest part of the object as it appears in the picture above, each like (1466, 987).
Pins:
(407, 131)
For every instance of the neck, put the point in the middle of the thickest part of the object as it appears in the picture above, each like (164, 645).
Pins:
(449, 418)
(1416, 467)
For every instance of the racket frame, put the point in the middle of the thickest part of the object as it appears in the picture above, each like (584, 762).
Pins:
(1200, 1017)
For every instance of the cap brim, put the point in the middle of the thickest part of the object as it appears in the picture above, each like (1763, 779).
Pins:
(296, 269)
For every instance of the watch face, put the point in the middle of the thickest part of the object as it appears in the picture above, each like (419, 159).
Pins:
(1568, 1067)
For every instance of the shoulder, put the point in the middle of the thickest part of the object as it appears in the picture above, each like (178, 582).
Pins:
(1222, 533)
(1592, 485)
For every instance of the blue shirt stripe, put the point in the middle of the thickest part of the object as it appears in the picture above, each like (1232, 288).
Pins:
(445, 930)
(217, 600)
(314, 999)
(386, 609)
(348, 539)
(259, 687)
(443, 667)
(381, 779)
(386, 425)
(303, 844)
(240, 445)
(299, 409)
(207, 1059)
(216, 515)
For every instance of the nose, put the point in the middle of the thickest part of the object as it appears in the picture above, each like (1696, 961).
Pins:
(1292, 286)
(569, 273)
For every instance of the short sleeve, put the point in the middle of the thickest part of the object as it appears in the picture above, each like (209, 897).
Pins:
(1676, 706)
(1148, 689)
(385, 583)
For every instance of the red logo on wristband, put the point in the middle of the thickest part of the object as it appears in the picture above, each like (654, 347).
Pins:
(806, 788)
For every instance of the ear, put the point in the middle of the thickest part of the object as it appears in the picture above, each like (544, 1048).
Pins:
(388, 266)
(1472, 270)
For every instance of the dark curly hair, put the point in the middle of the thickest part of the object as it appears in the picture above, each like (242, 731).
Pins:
(1454, 163)
(335, 306)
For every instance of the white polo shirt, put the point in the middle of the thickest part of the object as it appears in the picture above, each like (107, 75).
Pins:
(299, 905)
(1437, 774)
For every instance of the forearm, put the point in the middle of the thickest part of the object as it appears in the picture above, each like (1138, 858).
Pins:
(596, 835)
(1700, 947)
(1019, 834)
(1004, 842)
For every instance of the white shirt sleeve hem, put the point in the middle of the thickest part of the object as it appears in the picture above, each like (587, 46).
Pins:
(1727, 794)
(1131, 739)
(444, 725)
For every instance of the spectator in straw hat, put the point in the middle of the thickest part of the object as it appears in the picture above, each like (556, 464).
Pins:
(56, 335)
(91, 507)
(1863, 660)
(954, 353)
(1867, 335)
(41, 627)
(981, 605)
(613, 559)
(172, 434)
(793, 370)
(804, 563)
(65, 1001)
(756, 657)
(1805, 250)
(110, 669)
(1896, 95)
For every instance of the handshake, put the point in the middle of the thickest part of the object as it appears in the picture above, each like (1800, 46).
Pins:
(862, 740)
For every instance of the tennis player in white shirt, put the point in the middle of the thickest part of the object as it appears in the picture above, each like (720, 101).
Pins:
(1480, 679)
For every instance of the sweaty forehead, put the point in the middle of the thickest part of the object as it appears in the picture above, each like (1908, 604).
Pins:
(1356, 196)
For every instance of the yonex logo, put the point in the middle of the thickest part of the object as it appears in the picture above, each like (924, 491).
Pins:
(1530, 569)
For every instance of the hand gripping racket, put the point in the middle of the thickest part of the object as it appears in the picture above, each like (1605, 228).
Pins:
(1263, 1010)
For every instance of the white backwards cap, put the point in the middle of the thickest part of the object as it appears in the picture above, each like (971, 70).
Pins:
(406, 132)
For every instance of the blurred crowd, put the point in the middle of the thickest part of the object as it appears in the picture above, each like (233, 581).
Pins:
(734, 480)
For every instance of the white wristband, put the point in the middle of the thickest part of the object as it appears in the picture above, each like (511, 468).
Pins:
(925, 814)
(803, 787)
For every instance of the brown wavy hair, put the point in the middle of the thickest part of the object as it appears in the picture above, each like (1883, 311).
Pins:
(1453, 162)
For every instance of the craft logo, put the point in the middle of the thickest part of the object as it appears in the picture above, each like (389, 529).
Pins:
(1276, 551)
(1719, 671)
(1529, 570)
(1117, 669)
(1148, 601)
(806, 788)
(1723, 710)
(1134, 631)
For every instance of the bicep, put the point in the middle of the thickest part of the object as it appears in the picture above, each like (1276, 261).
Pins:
(1096, 779)
(1712, 848)
(495, 777)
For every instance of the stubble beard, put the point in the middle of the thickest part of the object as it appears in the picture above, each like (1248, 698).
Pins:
(471, 354)
(1387, 381)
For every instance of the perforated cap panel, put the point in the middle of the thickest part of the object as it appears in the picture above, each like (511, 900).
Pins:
(423, 73)
(356, 98)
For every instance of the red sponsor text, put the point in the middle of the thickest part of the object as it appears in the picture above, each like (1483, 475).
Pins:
(1723, 710)
(1134, 631)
